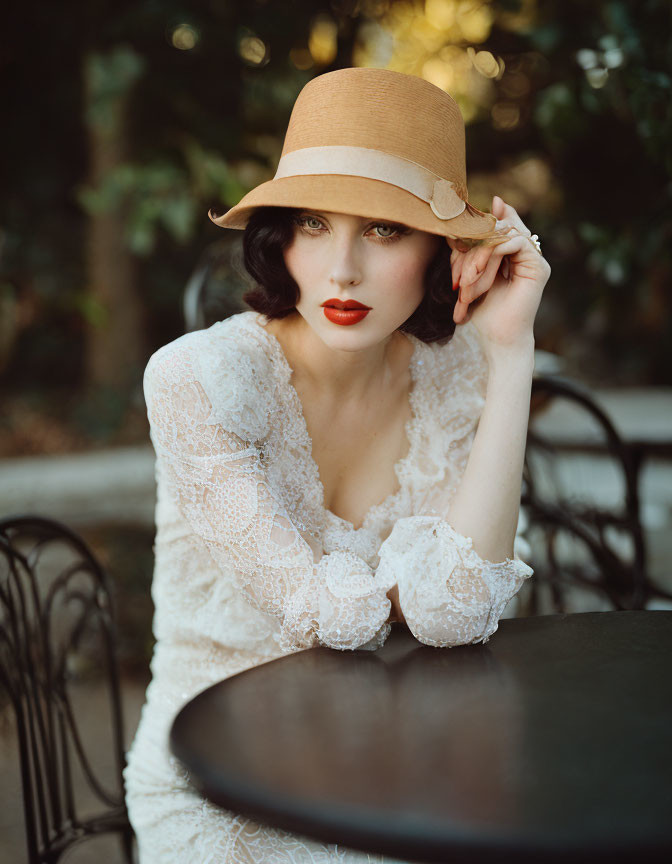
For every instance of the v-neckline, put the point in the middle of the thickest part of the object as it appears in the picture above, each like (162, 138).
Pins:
(409, 428)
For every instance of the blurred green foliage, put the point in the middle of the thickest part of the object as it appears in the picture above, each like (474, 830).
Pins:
(605, 118)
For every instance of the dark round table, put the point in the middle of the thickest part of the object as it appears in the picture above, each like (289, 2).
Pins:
(553, 741)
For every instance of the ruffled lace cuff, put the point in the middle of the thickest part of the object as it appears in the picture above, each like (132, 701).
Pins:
(449, 594)
(344, 606)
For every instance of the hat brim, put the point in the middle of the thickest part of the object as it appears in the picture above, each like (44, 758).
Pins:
(357, 196)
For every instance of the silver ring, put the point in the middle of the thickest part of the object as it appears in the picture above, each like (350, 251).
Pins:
(535, 239)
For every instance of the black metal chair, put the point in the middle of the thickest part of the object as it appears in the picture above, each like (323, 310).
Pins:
(215, 288)
(56, 625)
(596, 549)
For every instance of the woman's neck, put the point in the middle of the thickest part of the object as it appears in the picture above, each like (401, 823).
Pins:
(344, 376)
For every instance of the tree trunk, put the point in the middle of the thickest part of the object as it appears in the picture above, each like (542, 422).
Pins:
(114, 341)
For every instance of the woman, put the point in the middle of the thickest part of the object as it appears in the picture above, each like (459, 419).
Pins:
(323, 471)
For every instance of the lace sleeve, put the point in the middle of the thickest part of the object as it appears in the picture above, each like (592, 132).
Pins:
(218, 482)
(449, 594)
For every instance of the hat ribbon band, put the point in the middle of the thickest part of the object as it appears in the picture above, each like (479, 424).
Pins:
(438, 192)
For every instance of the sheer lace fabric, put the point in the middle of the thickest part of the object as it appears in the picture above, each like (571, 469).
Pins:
(250, 565)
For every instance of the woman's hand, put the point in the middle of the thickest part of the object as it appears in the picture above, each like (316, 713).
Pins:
(511, 274)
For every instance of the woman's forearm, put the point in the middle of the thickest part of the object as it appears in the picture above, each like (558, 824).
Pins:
(486, 504)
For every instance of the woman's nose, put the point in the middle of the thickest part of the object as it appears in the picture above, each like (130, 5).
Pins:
(344, 265)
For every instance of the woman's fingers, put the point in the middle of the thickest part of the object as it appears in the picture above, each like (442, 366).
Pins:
(463, 264)
(475, 264)
(512, 218)
(456, 269)
(456, 263)
(471, 295)
(472, 290)
(466, 302)
(468, 266)
(493, 259)
(475, 268)
(463, 309)
(457, 256)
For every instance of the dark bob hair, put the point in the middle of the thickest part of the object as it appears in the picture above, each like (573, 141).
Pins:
(271, 229)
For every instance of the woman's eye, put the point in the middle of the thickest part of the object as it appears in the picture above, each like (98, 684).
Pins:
(304, 222)
(394, 232)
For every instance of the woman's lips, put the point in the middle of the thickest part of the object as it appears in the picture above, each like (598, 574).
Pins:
(345, 304)
(345, 316)
(345, 311)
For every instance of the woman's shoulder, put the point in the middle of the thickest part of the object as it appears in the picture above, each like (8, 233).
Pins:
(231, 363)
(232, 344)
(230, 335)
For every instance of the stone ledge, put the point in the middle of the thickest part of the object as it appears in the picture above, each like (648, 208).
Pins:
(114, 485)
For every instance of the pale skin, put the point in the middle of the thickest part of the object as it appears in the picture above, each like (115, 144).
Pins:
(353, 381)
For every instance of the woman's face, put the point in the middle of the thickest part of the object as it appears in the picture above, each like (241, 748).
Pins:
(336, 256)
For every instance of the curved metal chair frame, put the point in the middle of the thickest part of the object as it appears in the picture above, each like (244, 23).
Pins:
(625, 584)
(215, 288)
(35, 666)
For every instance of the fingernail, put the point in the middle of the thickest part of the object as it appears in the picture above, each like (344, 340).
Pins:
(455, 285)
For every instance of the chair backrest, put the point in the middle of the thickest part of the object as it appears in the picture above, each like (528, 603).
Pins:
(215, 288)
(57, 630)
(581, 497)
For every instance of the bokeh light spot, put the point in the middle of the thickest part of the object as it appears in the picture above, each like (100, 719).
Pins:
(485, 63)
(322, 42)
(440, 13)
(184, 37)
(475, 21)
(586, 58)
(438, 72)
(515, 85)
(253, 50)
(613, 58)
(301, 58)
(597, 78)
(505, 115)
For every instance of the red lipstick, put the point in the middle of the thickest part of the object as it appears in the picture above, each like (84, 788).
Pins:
(345, 311)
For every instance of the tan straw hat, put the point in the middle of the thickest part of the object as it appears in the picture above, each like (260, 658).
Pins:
(373, 143)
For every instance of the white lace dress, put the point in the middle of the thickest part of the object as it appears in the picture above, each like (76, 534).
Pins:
(249, 565)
